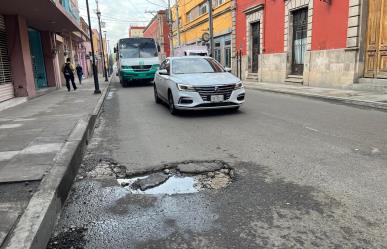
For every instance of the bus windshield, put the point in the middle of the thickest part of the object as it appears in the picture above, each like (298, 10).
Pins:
(137, 48)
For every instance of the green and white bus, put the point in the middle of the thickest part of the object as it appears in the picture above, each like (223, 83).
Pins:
(137, 59)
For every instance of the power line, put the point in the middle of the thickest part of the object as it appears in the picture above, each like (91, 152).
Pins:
(156, 4)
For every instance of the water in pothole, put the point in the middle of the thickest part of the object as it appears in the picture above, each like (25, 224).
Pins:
(174, 182)
(174, 185)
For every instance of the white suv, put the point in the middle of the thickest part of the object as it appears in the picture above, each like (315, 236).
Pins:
(197, 83)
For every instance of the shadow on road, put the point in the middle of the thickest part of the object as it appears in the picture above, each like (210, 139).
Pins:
(137, 83)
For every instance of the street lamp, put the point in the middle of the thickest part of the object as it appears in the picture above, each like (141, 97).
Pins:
(96, 83)
(102, 47)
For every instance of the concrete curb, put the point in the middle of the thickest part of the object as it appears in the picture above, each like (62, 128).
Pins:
(353, 102)
(35, 226)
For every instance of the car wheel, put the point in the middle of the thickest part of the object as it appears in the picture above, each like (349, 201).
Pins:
(157, 99)
(171, 104)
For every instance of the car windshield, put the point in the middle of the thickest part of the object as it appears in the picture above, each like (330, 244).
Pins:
(196, 65)
(137, 48)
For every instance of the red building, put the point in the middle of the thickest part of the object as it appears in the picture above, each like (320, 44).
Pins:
(332, 43)
(158, 29)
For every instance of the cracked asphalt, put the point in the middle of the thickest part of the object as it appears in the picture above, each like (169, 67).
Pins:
(308, 174)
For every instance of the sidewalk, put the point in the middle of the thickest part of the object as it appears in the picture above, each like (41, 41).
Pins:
(38, 140)
(353, 97)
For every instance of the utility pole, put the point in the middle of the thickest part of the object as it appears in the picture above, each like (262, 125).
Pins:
(102, 47)
(211, 27)
(107, 53)
(96, 83)
(178, 23)
(170, 28)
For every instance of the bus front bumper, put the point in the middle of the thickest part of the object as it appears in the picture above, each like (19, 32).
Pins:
(129, 75)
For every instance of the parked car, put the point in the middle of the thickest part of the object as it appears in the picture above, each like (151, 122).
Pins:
(197, 83)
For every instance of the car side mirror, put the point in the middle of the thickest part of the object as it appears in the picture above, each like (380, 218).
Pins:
(163, 72)
(227, 69)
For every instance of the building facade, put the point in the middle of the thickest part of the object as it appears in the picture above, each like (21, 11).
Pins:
(136, 31)
(325, 43)
(34, 44)
(193, 26)
(158, 29)
(98, 50)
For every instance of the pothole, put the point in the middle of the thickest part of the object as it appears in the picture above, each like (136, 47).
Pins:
(181, 178)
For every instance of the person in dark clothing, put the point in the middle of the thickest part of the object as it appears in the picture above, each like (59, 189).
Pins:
(79, 73)
(68, 71)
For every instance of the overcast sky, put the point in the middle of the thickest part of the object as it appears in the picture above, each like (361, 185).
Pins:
(119, 14)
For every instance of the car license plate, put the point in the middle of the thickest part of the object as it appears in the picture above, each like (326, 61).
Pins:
(217, 98)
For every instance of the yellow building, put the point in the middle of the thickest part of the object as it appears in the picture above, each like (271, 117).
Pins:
(193, 18)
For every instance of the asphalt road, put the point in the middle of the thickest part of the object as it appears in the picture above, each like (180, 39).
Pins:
(309, 174)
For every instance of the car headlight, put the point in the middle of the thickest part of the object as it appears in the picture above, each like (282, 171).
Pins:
(155, 66)
(184, 87)
(238, 85)
(125, 67)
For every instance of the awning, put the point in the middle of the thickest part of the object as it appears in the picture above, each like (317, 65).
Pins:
(44, 15)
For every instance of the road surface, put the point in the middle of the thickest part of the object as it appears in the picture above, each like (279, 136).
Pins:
(308, 174)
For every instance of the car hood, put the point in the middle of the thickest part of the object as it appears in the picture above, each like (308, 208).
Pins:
(203, 79)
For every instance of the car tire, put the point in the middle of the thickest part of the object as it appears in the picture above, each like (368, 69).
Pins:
(171, 104)
(157, 99)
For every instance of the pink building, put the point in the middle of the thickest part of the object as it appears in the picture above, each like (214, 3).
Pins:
(35, 39)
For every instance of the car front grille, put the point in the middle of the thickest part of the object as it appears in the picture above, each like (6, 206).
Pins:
(206, 91)
(141, 67)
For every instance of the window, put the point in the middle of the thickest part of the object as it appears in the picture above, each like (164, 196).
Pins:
(227, 57)
(217, 2)
(227, 53)
(203, 8)
(192, 14)
(189, 16)
(217, 52)
(217, 55)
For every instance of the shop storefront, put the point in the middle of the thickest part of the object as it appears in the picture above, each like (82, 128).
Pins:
(6, 86)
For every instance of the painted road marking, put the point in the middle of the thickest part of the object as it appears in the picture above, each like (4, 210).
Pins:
(7, 155)
(9, 126)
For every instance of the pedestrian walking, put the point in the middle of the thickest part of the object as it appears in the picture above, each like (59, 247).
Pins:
(68, 71)
(79, 73)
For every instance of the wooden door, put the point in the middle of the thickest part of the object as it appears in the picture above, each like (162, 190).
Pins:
(300, 28)
(376, 47)
(255, 46)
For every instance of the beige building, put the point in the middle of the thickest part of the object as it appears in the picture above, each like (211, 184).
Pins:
(136, 31)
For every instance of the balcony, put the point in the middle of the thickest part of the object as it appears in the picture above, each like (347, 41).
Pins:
(71, 8)
(48, 15)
